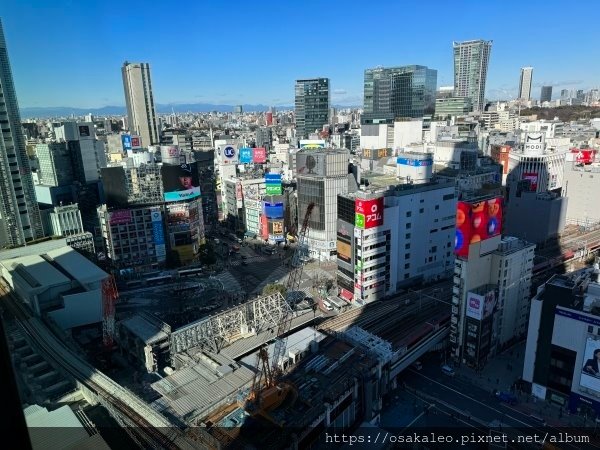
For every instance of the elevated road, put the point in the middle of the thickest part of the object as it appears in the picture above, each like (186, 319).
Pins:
(146, 426)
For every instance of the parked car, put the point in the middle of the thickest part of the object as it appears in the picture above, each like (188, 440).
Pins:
(506, 397)
(447, 370)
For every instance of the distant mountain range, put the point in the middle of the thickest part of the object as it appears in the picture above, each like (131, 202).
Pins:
(65, 111)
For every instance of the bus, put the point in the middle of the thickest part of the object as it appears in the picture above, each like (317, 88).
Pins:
(190, 272)
(155, 281)
(134, 284)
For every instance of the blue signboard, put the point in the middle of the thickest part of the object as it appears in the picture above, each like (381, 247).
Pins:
(245, 155)
(126, 140)
(274, 210)
(273, 178)
(414, 162)
(157, 233)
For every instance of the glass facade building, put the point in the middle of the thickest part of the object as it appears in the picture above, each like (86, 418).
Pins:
(398, 92)
(471, 60)
(452, 107)
(20, 216)
(312, 106)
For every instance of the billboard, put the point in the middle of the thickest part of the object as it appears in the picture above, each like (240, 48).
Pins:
(120, 217)
(476, 222)
(413, 162)
(475, 305)
(264, 227)
(126, 141)
(310, 164)
(273, 184)
(178, 217)
(136, 142)
(584, 156)
(590, 372)
(274, 210)
(259, 155)
(312, 143)
(114, 183)
(489, 305)
(368, 213)
(344, 251)
(275, 229)
(228, 154)
(534, 142)
(84, 131)
(158, 235)
(372, 153)
(180, 182)
(245, 155)
(532, 177)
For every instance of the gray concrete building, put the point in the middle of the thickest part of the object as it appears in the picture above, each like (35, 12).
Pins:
(140, 102)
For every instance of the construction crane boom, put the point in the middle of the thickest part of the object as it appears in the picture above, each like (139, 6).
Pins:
(268, 375)
(109, 300)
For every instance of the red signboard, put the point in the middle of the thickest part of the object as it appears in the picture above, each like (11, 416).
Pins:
(259, 155)
(476, 222)
(120, 217)
(533, 179)
(369, 213)
(584, 155)
(136, 142)
(264, 227)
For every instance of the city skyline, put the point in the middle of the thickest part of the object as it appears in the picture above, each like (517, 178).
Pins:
(83, 70)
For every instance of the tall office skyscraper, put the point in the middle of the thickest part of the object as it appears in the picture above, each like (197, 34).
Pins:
(546, 94)
(398, 92)
(312, 105)
(471, 60)
(140, 102)
(20, 221)
(525, 83)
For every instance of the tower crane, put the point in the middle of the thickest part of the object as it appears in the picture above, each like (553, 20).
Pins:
(268, 373)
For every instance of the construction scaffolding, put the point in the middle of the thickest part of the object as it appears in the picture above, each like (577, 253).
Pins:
(214, 333)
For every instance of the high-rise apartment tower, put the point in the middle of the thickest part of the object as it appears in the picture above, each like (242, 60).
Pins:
(312, 106)
(471, 60)
(525, 83)
(140, 102)
(20, 217)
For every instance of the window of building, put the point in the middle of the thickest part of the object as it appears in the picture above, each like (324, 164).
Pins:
(407, 246)
(407, 236)
(408, 226)
(407, 266)
(408, 213)
(407, 256)
(422, 210)
(590, 329)
(437, 207)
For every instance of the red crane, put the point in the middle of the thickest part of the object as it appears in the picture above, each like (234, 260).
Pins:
(268, 374)
(109, 300)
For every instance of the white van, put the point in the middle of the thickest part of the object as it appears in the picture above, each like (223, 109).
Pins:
(447, 370)
(327, 305)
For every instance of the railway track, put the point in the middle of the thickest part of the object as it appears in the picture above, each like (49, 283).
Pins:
(147, 427)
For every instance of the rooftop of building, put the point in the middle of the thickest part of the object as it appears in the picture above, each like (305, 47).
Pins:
(390, 185)
(150, 333)
(511, 244)
(584, 287)
(47, 268)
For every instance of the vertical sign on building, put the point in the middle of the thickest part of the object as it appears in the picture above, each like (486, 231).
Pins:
(245, 155)
(158, 235)
(368, 213)
(273, 183)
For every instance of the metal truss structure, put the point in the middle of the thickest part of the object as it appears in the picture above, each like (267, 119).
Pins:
(214, 333)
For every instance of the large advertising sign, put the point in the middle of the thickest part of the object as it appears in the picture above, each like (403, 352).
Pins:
(376, 153)
(229, 154)
(489, 306)
(312, 143)
(264, 227)
(414, 162)
(368, 213)
(310, 164)
(245, 155)
(114, 184)
(276, 230)
(158, 235)
(475, 305)
(534, 142)
(532, 177)
(136, 142)
(274, 210)
(344, 251)
(590, 372)
(259, 155)
(584, 156)
(126, 141)
(273, 183)
(476, 222)
(120, 217)
(178, 217)
(180, 182)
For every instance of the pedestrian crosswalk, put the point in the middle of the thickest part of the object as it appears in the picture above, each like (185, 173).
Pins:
(279, 276)
(253, 259)
(229, 281)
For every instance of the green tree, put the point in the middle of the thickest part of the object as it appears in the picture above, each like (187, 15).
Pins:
(273, 288)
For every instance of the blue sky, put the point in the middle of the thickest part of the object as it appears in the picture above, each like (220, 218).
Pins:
(69, 53)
